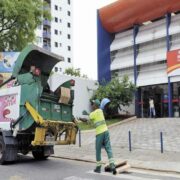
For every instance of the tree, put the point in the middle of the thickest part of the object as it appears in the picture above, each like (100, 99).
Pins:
(18, 21)
(74, 72)
(120, 92)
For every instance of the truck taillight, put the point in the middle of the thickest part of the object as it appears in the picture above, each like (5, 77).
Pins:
(72, 82)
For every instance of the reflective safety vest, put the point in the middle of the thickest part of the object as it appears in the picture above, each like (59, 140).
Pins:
(97, 117)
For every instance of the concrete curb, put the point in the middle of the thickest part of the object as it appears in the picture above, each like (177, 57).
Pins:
(74, 159)
(157, 170)
(123, 121)
(115, 124)
(132, 166)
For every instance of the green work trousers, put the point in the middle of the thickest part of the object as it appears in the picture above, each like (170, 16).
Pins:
(103, 139)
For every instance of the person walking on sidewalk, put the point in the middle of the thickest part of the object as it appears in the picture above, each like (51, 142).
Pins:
(152, 108)
(102, 136)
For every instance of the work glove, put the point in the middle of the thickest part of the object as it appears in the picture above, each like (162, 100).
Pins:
(85, 113)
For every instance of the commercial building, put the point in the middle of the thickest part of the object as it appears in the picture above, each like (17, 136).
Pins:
(142, 40)
(56, 35)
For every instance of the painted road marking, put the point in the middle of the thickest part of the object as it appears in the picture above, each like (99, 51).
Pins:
(123, 176)
(76, 178)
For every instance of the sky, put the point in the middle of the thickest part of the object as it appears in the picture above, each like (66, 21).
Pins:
(85, 35)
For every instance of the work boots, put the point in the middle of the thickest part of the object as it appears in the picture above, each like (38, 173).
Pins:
(113, 168)
(97, 169)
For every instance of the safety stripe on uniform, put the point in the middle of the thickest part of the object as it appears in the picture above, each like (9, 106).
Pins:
(99, 123)
(99, 163)
(111, 160)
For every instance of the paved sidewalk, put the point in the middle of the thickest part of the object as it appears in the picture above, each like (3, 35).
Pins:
(145, 144)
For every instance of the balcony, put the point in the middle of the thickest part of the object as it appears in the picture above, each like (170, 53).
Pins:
(46, 35)
(46, 23)
(47, 47)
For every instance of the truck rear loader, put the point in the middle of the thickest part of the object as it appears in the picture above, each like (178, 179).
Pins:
(38, 118)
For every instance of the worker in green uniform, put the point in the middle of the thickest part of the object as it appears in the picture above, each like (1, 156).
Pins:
(102, 136)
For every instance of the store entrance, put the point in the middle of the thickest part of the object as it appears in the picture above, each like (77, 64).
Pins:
(178, 110)
(176, 99)
(156, 93)
(158, 104)
(159, 93)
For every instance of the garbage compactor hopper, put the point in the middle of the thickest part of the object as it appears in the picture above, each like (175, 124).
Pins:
(44, 117)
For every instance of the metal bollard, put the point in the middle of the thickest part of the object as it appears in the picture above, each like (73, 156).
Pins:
(130, 141)
(79, 138)
(161, 139)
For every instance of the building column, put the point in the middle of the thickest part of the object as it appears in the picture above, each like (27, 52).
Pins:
(104, 40)
(140, 105)
(135, 48)
(168, 22)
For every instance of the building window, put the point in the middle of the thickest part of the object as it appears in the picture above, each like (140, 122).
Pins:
(56, 44)
(45, 30)
(56, 19)
(60, 32)
(69, 60)
(56, 69)
(60, 44)
(55, 31)
(56, 7)
(60, 20)
(69, 2)
(68, 13)
(69, 36)
(69, 48)
(60, 8)
(68, 24)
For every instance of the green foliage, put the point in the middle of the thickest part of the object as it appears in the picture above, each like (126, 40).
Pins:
(120, 92)
(75, 72)
(18, 21)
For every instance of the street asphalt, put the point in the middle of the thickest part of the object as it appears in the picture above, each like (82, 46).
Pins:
(26, 168)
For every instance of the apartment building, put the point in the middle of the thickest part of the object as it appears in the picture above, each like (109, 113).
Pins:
(141, 39)
(56, 35)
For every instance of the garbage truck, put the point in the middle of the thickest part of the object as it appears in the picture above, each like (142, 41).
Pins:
(34, 117)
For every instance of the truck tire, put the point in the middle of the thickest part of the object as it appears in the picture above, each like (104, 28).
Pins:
(39, 154)
(2, 150)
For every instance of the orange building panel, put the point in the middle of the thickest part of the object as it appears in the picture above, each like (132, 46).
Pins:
(173, 61)
(123, 14)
